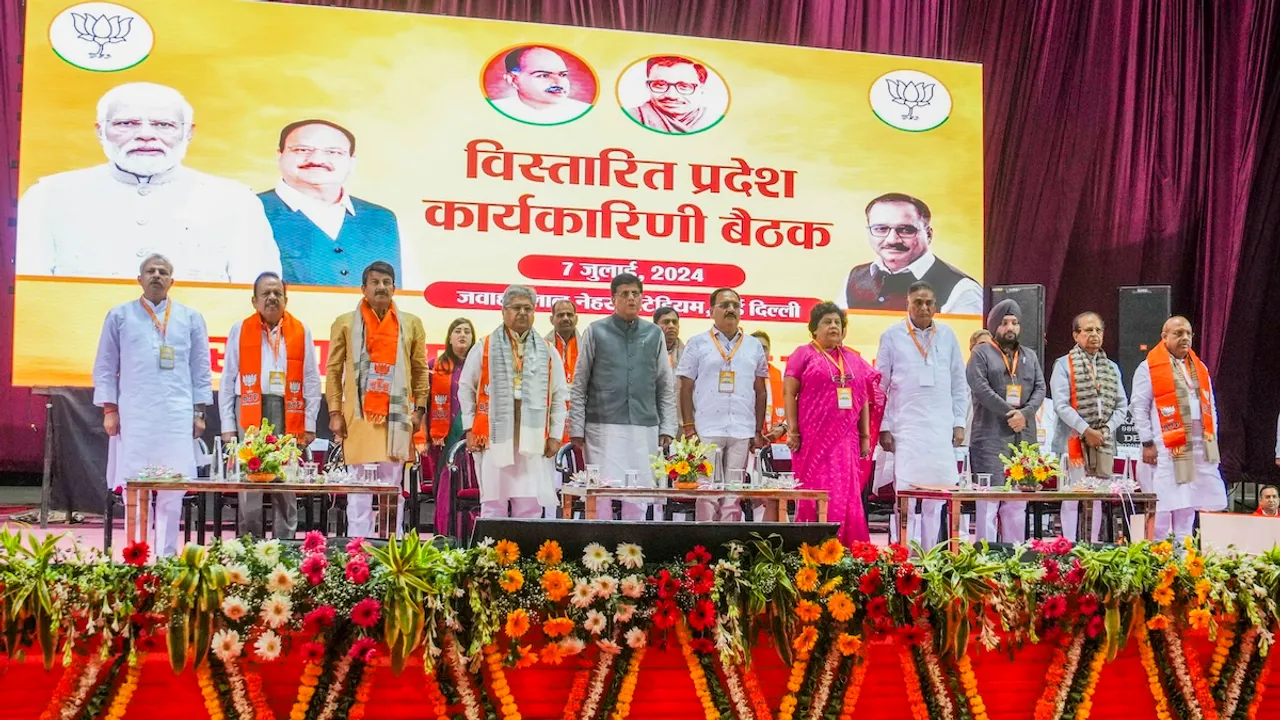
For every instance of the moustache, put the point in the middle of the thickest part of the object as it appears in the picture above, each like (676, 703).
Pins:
(557, 90)
(308, 166)
(895, 246)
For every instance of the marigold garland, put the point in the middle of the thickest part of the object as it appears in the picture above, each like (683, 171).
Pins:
(915, 696)
(120, 703)
(787, 708)
(695, 671)
(258, 698)
(1091, 683)
(1221, 650)
(854, 688)
(1261, 688)
(439, 705)
(969, 682)
(363, 690)
(1148, 657)
(306, 690)
(212, 703)
(498, 684)
(759, 703)
(1203, 695)
(66, 686)
(577, 694)
(622, 708)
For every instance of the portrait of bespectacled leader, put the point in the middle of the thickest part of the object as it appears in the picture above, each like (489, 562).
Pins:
(540, 85)
(900, 232)
(326, 235)
(673, 95)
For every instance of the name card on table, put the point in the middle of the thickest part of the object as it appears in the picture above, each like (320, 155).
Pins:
(1248, 533)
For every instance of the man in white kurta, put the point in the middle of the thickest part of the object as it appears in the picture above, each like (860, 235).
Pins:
(1090, 402)
(923, 376)
(622, 406)
(1173, 404)
(265, 380)
(101, 221)
(723, 375)
(152, 379)
(512, 396)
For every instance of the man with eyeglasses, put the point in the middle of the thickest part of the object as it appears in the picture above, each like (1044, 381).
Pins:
(1090, 402)
(723, 398)
(900, 234)
(540, 83)
(676, 103)
(1176, 415)
(326, 236)
(622, 406)
(512, 396)
(102, 221)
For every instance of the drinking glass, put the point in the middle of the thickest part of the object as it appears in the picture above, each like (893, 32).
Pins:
(984, 482)
(966, 480)
(735, 479)
(368, 474)
(631, 479)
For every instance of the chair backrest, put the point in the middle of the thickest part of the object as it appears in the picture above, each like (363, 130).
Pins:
(458, 464)
(333, 459)
(771, 466)
(569, 460)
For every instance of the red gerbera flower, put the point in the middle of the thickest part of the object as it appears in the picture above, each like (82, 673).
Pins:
(1051, 571)
(912, 634)
(898, 553)
(870, 583)
(366, 613)
(1075, 575)
(136, 553)
(864, 551)
(667, 585)
(355, 548)
(1061, 546)
(254, 464)
(320, 618)
(697, 556)
(313, 652)
(145, 584)
(702, 646)
(363, 649)
(877, 607)
(358, 571)
(919, 610)
(314, 542)
(665, 614)
(1094, 627)
(313, 568)
(908, 583)
(1053, 607)
(703, 615)
(701, 579)
(1088, 605)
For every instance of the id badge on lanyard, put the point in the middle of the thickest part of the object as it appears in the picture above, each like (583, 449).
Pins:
(726, 381)
(1013, 395)
(844, 398)
(168, 357)
(275, 383)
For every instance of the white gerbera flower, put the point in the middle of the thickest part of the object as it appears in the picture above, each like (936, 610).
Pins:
(267, 552)
(227, 645)
(633, 586)
(630, 556)
(636, 638)
(582, 595)
(268, 646)
(281, 580)
(237, 574)
(572, 646)
(234, 608)
(605, 586)
(608, 646)
(277, 610)
(595, 622)
(625, 611)
(232, 548)
(596, 558)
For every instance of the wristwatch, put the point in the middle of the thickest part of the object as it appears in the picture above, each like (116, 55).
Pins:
(1149, 443)
(200, 414)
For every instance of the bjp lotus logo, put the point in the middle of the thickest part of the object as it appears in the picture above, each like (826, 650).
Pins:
(101, 36)
(926, 101)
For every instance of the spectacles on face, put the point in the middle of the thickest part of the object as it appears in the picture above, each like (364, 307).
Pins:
(629, 294)
(661, 86)
(306, 151)
(729, 305)
(520, 309)
(1091, 331)
(905, 231)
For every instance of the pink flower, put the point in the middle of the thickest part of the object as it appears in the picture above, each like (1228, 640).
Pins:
(1061, 545)
(271, 439)
(1075, 576)
(1051, 571)
(255, 464)
(1053, 607)
(314, 543)
(355, 548)
(1094, 627)
(358, 571)
(313, 568)
(366, 613)
(313, 652)
(1088, 605)
(1040, 546)
(319, 619)
(364, 649)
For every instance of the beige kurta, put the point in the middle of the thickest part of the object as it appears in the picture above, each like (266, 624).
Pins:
(366, 442)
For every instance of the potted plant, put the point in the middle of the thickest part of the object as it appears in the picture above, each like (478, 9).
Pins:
(263, 454)
(1027, 468)
(688, 461)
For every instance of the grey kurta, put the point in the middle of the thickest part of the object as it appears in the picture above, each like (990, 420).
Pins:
(988, 379)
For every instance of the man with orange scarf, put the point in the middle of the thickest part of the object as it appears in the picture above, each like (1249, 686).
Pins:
(1176, 417)
(377, 385)
(513, 399)
(270, 374)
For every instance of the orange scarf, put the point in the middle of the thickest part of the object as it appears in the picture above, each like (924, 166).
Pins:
(381, 337)
(480, 425)
(777, 413)
(440, 410)
(1075, 445)
(294, 336)
(569, 353)
(1172, 428)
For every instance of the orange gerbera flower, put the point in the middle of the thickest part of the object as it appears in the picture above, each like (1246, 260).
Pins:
(810, 554)
(1162, 550)
(1195, 565)
(1158, 622)
(841, 607)
(805, 641)
(550, 553)
(552, 654)
(557, 584)
(831, 552)
(1199, 618)
(848, 644)
(555, 627)
(508, 552)
(807, 579)
(512, 580)
(1168, 574)
(527, 657)
(517, 623)
(807, 611)
(1163, 595)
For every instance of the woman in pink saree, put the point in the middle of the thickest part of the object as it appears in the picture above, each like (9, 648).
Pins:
(834, 408)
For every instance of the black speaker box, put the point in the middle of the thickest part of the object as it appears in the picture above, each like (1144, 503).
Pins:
(1030, 299)
(1143, 310)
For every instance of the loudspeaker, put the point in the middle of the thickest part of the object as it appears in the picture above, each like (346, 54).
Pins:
(1030, 299)
(1143, 310)
(660, 540)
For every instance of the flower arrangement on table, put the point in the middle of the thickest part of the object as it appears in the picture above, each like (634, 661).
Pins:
(263, 455)
(688, 460)
(1027, 468)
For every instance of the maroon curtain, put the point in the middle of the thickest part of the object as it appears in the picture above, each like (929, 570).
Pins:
(1126, 143)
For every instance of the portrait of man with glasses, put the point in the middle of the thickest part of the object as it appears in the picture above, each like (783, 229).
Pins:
(326, 236)
(900, 234)
(677, 102)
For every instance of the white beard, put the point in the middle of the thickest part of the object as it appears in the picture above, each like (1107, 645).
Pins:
(144, 165)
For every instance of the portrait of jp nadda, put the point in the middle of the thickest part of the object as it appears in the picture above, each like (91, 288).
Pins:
(102, 221)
